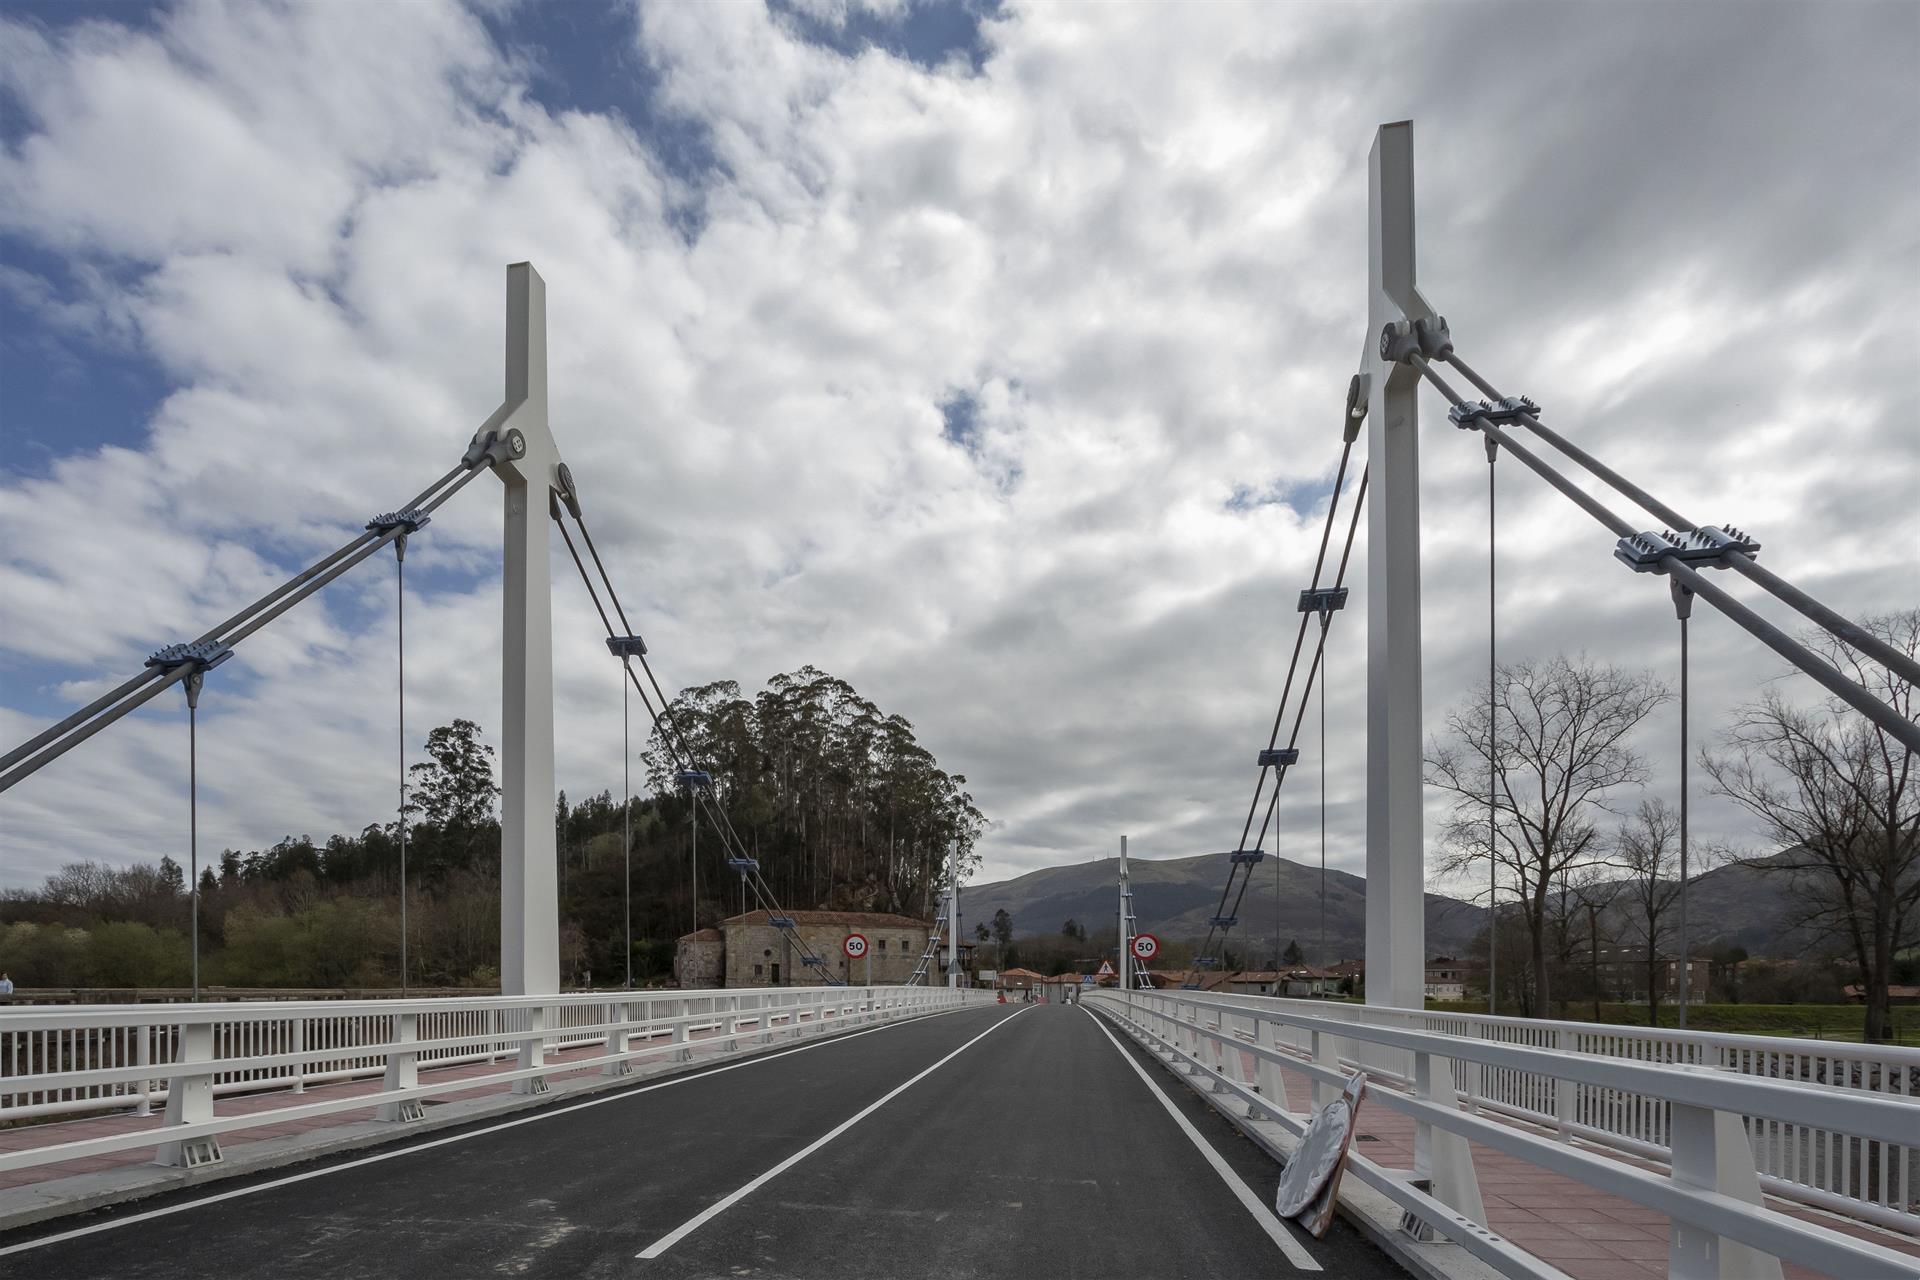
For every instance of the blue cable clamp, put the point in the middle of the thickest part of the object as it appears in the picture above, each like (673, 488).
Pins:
(1323, 599)
(1276, 757)
(1224, 922)
(204, 655)
(1248, 856)
(691, 778)
(780, 922)
(744, 865)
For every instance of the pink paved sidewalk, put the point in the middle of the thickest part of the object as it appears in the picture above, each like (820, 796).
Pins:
(1588, 1234)
(34, 1136)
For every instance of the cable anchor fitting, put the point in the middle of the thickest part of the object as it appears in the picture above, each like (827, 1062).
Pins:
(1435, 339)
(626, 646)
(1401, 340)
(1359, 394)
(494, 448)
(568, 494)
(1279, 757)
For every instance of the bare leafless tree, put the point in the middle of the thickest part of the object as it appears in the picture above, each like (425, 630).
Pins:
(1841, 794)
(1559, 747)
(1647, 850)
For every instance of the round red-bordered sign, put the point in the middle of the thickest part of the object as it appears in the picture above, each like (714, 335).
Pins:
(855, 945)
(1145, 946)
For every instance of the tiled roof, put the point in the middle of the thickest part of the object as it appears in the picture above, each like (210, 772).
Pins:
(853, 919)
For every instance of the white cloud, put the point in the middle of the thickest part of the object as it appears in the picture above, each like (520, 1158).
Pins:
(1134, 240)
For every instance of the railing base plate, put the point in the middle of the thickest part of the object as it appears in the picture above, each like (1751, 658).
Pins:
(195, 1153)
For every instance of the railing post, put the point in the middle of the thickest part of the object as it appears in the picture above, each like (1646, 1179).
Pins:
(190, 1100)
(403, 1072)
(1326, 1053)
(1273, 1084)
(533, 1050)
(143, 1057)
(620, 1012)
(1711, 1152)
(1563, 1091)
(683, 1031)
(297, 1038)
(1442, 1157)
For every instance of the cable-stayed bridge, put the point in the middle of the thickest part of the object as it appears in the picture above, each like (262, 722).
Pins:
(824, 1129)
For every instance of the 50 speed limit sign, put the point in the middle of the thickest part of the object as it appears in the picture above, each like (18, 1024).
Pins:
(855, 945)
(1145, 946)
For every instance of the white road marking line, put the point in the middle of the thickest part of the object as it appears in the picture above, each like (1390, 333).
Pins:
(1269, 1222)
(719, 1207)
(543, 1114)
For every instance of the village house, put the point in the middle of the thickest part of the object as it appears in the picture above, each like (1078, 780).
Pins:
(748, 951)
(1446, 979)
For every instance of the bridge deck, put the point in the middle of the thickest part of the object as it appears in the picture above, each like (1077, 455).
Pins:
(1003, 1141)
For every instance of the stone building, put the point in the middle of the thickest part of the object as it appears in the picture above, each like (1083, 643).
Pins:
(747, 951)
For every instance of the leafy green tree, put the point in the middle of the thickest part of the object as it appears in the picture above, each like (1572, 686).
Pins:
(454, 791)
(1293, 955)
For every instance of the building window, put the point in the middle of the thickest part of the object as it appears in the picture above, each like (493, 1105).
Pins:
(883, 944)
(757, 970)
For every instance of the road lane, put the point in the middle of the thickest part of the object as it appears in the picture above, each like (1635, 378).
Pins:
(1041, 1154)
(576, 1191)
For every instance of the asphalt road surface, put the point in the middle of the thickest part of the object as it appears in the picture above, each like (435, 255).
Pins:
(1015, 1141)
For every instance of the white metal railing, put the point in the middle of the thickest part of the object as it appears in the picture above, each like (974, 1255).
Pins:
(1877, 1179)
(95, 1059)
(1707, 1110)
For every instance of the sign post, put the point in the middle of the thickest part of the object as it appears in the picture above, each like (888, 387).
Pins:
(855, 946)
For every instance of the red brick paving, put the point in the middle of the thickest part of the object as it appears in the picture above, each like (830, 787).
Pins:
(1586, 1233)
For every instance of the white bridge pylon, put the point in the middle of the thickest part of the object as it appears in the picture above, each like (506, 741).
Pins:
(528, 463)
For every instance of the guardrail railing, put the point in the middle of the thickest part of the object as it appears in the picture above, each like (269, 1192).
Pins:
(1877, 1180)
(64, 1060)
(1709, 1114)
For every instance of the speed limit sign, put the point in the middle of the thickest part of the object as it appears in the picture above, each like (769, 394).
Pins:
(855, 945)
(1145, 946)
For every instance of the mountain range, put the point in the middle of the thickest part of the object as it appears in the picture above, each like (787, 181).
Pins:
(1730, 905)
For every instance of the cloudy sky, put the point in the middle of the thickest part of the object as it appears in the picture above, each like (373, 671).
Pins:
(989, 357)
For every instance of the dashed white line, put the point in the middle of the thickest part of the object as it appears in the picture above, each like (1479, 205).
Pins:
(1268, 1220)
(720, 1206)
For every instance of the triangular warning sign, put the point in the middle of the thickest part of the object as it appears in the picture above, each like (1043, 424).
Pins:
(1106, 970)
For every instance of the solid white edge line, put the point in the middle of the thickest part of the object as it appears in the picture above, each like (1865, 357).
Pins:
(719, 1207)
(1268, 1220)
(545, 1113)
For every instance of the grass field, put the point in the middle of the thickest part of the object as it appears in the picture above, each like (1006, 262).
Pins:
(1812, 1021)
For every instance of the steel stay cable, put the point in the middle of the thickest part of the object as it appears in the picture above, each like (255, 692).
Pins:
(106, 700)
(1280, 771)
(282, 599)
(665, 722)
(1836, 623)
(1897, 726)
(1279, 714)
(1319, 562)
(675, 742)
